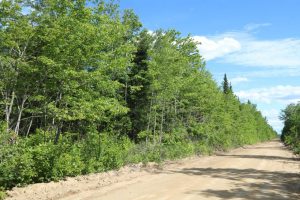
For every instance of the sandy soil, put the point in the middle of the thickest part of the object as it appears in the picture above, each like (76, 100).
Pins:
(267, 171)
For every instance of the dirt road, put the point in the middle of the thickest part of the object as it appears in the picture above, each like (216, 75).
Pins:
(266, 171)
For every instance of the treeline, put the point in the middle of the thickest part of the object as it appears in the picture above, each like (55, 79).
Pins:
(83, 88)
(291, 130)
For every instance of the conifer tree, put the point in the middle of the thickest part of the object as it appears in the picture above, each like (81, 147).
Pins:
(225, 85)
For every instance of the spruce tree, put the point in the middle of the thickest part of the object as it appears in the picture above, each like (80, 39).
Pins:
(225, 84)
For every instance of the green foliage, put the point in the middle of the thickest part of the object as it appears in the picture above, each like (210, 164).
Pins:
(114, 151)
(43, 156)
(226, 85)
(202, 148)
(2, 194)
(17, 167)
(83, 89)
(291, 130)
(178, 150)
(68, 164)
(25, 163)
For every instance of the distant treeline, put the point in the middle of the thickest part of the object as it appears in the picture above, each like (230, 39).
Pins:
(84, 88)
(291, 130)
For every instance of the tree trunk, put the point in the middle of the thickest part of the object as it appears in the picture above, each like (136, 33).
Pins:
(149, 116)
(162, 122)
(8, 110)
(154, 127)
(21, 108)
(57, 134)
(149, 120)
(29, 127)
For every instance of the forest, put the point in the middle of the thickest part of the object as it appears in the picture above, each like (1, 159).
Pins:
(85, 88)
(291, 130)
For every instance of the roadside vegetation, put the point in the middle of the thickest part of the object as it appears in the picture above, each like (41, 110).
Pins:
(84, 88)
(291, 130)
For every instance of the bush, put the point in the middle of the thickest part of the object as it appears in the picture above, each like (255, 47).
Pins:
(201, 148)
(38, 159)
(44, 156)
(2, 194)
(114, 151)
(17, 169)
(177, 150)
(67, 164)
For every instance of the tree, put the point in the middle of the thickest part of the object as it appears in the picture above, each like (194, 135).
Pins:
(76, 57)
(291, 130)
(225, 85)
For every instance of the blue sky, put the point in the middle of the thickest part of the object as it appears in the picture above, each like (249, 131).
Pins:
(255, 42)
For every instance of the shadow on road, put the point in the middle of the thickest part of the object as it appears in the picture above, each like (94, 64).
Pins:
(264, 185)
(267, 147)
(279, 158)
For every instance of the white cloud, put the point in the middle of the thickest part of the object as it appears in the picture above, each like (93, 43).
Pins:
(267, 73)
(273, 118)
(254, 26)
(238, 79)
(277, 97)
(268, 57)
(214, 48)
(150, 32)
(242, 48)
(282, 94)
(267, 53)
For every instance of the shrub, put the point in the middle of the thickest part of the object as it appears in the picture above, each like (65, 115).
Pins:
(17, 169)
(202, 148)
(2, 194)
(67, 164)
(43, 156)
